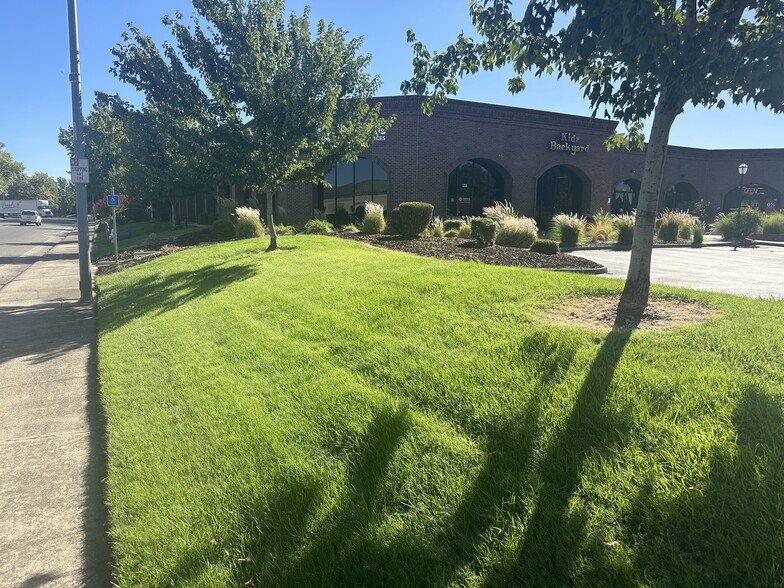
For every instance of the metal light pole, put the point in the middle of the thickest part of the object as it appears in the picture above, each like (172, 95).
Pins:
(85, 275)
(742, 169)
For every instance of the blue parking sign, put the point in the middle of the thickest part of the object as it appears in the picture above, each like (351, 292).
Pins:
(113, 200)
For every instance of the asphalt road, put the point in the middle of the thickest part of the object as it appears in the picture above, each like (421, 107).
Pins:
(21, 246)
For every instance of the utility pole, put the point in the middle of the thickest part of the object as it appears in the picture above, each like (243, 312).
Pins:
(85, 273)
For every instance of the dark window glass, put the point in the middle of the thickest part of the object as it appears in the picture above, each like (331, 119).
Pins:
(363, 181)
(344, 186)
(329, 193)
(380, 186)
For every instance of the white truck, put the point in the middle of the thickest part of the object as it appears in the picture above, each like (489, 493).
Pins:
(12, 208)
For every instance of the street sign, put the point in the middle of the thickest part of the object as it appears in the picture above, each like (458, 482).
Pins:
(113, 200)
(750, 190)
(80, 171)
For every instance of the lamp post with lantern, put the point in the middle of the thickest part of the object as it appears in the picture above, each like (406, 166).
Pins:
(742, 169)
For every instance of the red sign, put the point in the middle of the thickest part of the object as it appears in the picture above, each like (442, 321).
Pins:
(750, 190)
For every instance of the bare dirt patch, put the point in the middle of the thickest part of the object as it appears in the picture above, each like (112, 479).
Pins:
(599, 312)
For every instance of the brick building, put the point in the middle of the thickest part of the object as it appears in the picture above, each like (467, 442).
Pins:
(468, 155)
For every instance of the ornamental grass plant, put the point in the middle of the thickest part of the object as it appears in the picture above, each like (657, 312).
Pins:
(600, 229)
(373, 223)
(517, 232)
(437, 227)
(500, 212)
(728, 225)
(318, 227)
(568, 229)
(675, 224)
(773, 223)
(248, 227)
(623, 227)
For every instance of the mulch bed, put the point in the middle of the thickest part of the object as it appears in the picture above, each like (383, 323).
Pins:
(452, 249)
(468, 250)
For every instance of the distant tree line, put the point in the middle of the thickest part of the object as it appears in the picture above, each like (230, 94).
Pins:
(15, 184)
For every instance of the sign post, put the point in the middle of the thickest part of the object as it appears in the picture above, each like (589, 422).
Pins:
(114, 201)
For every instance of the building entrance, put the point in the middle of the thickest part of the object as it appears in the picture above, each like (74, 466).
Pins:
(474, 185)
(559, 189)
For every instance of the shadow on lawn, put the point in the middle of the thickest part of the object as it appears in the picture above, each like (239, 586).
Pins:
(727, 532)
(157, 294)
(289, 546)
(281, 550)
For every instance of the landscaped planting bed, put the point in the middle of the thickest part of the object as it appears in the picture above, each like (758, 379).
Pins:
(335, 414)
(468, 250)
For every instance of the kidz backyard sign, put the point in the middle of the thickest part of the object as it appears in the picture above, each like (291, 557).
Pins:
(568, 142)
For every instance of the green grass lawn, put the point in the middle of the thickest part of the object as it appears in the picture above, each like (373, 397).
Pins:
(338, 415)
(134, 234)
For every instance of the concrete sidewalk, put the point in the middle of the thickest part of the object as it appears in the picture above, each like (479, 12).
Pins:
(757, 271)
(53, 523)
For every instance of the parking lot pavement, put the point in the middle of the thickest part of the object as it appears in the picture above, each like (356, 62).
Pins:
(756, 271)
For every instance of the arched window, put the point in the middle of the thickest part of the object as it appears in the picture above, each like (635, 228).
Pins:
(351, 185)
(625, 196)
(473, 185)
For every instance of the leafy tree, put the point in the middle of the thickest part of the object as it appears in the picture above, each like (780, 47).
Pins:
(10, 171)
(275, 104)
(66, 197)
(44, 187)
(105, 143)
(633, 59)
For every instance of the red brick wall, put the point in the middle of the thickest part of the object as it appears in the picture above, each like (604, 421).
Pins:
(419, 152)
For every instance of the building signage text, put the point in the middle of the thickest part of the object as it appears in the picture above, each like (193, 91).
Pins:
(568, 142)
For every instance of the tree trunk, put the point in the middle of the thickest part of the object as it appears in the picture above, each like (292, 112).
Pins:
(173, 216)
(273, 246)
(638, 280)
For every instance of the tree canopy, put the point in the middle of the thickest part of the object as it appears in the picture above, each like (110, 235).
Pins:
(271, 103)
(633, 59)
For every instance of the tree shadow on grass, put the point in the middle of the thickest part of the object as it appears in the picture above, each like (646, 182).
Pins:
(730, 531)
(282, 544)
(158, 293)
(553, 537)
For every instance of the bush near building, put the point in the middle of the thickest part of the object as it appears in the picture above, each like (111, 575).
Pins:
(517, 232)
(730, 227)
(545, 246)
(568, 229)
(483, 230)
(414, 218)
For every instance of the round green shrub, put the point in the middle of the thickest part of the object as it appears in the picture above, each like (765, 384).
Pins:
(451, 233)
(393, 226)
(318, 227)
(222, 229)
(249, 228)
(464, 232)
(285, 229)
(452, 223)
(341, 217)
(483, 230)
(414, 218)
(545, 246)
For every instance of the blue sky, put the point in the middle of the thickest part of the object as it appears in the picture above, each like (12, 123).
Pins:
(35, 96)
